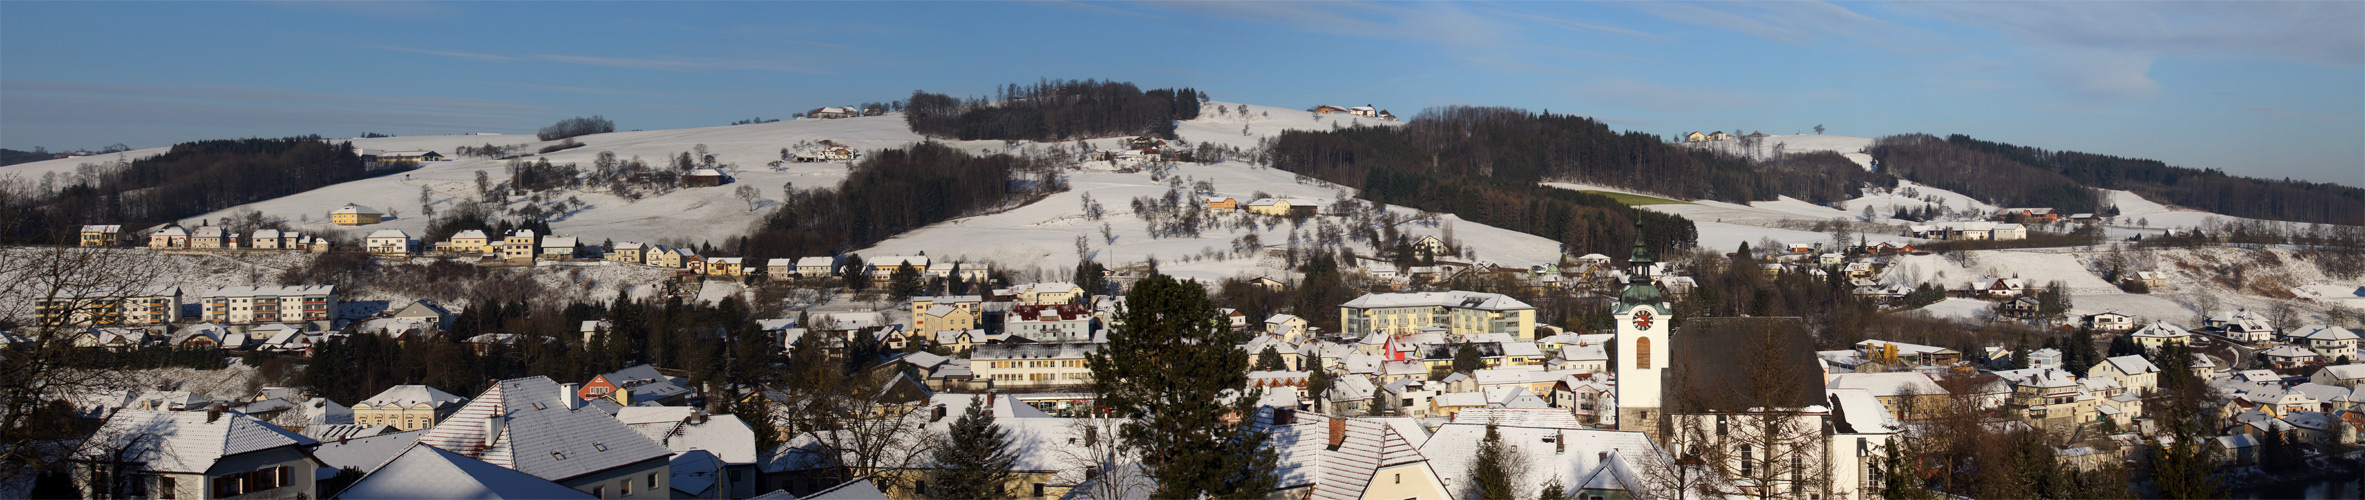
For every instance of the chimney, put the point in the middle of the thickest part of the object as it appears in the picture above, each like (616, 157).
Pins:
(1338, 432)
(492, 428)
(215, 413)
(1284, 416)
(569, 396)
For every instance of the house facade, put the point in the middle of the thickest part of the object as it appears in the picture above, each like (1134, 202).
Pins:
(240, 305)
(1012, 366)
(355, 215)
(203, 455)
(407, 407)
(1459, 312)
(102, 235)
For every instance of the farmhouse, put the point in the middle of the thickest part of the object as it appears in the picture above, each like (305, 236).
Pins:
(355, 215)
(1283, 207)
(102, 235)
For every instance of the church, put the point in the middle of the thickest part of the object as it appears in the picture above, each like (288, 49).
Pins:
(1742, 397)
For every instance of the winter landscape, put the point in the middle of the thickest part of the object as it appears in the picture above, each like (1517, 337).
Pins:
(1257, 250)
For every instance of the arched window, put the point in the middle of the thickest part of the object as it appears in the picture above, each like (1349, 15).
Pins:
(1642, 353)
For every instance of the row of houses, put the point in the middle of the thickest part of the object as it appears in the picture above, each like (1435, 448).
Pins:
(1968, 231)
(162, 305)
(209, 237)
(1364, 110)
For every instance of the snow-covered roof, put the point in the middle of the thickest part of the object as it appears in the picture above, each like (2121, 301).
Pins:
(817, 261)
(2132, 364)
(559, 242)
(412, 395)
(2288, 351)
(102, 228)
(1461, 299)
(426, 471)
(1861, 411)
(705, 172)
(682, 429)
(2350, 371)
(1886, 384)
(534, 431)
(472, 234)
(352, 209)
(1339, 472)
(364, 452)
(2162, 329)
(1578, 458)
(389, 233)
(185, 441)
(2324, 333)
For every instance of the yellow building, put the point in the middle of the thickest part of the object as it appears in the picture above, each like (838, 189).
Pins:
(102, 235)
(1459, 312)
(2160, 334)
(407, 407)
(627, 252)
(469, 242)
(355, 215)
(1283, 207)
(1008, 366)
(725, 266)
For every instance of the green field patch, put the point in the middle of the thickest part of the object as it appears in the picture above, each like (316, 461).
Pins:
(1633, 200)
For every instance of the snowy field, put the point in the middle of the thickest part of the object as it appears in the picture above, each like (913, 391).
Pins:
(2193, 281)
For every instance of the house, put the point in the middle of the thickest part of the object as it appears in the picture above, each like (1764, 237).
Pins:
(1224, 205)
(1587, 463)
(938, 317)
(2290, 356)
(1327, 109)
(388, 242)
(426, 471)
(1460, 312)
(2021, 307)
(1289, 327)
(637, 384)
(2348, 375)
(724, 442)
(725, 266)
(2042, 215)
(1720, 136)
(102, 235)
(630, 252)
(355, 215)
(240, 305)
(540, 427)
(1046, 293)
(1695, 137)
(1337, 458)
(191, 454)
(266, 239)
(411, 156)
(705, 177)
(2111, 321)
(663, 256)
(2334, 343)
(468, 242)
(559, 248)
(211, 237)
(2152, 278)
(2160, 333)
(1904, 354)
(519, 246)
(407, 407)
(834, 112)
(817, 267)
(2241, 325)
(882, 268)
(1280, 207)
(1021, 366)
(169, 237)
(2133, 373)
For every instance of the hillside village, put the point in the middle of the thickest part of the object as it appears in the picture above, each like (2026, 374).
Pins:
(1391, 351)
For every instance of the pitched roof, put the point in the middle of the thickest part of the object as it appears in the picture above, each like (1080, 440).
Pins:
(185, 441)
(2132, 364)
(683, 429)
(1462, 299)
(355, 209)
(533, 431)
(408, 395)
(1579, 458)
(425, 471)
(2323, 333)
(1341, 472)
(367, 452)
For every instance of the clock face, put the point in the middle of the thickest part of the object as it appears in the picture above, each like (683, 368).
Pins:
(1642, 320)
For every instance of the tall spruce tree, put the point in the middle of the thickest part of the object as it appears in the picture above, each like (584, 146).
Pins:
(1466, 358)
(974, 459)
(1270, 360)
(1494, 469)
(904, 283)
(1171, 367)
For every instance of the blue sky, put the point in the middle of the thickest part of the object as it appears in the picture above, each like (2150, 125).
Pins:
(2273, 89)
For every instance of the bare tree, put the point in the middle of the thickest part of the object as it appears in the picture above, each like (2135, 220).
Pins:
(1752, 433)
(748, 194)
(1098, 463)
(65, 290)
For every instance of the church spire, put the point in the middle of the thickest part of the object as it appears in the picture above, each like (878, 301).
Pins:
(1639, 287)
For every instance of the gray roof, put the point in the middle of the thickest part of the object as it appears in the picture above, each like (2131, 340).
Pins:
(186, 441)
(365, 453)
(430, 472)
(1461, 299)
(536, 433)
(684, 429)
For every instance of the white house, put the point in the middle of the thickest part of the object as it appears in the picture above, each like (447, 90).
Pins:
(388, 242)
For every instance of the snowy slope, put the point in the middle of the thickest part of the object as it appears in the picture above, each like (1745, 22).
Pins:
(1885, 202)
(1850, 147)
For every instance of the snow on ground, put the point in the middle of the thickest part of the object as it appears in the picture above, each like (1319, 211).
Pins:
(2192, 280)
(1042, 234)
(1850, 147)
(2036, 267)
(1261, 121)
(1960, 308)
(1725, 226)
(32, 171)
(1885, 202)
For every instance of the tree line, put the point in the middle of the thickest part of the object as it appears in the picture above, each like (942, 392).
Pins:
(191, 179)
(577, 126)
(2205, 189)
(1988, 176)
(1054, 110)
(891, 192)
(1483, 164)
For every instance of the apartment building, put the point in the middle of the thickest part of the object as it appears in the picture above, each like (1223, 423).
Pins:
(1459, 312)
(269, 304)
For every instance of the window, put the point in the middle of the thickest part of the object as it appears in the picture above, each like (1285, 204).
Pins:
(1038, 489)
(653, 481)
(226, 486)
(1642, 353)
(599, 492)
(168, 488)
(624, 488)
(1745, 460)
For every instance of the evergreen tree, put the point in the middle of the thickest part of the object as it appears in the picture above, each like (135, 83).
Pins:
(1317, 377)
(1170, 367)
(1466, 358)
(1093, 278)
(1895, 476)
(2020, 354)
(1270, 360)
(974, 458)
(955, 284)
(1553, 490)
(1493, 469)
(904, 283)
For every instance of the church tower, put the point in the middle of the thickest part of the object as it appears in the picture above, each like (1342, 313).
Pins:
(1641, 350)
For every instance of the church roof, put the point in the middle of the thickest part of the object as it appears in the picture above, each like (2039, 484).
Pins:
(1735, 364)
